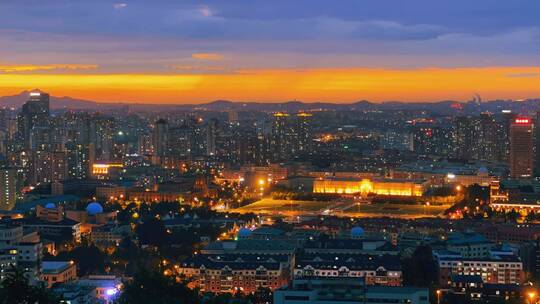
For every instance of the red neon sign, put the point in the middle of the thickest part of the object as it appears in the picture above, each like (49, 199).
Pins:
(522, 121)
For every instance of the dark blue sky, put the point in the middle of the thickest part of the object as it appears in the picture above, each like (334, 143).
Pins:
(156, 35)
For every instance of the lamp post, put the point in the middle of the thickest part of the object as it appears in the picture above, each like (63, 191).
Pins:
(438, 292)
(532, 297)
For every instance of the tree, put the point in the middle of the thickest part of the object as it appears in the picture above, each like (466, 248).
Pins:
(124, 216)
(262, 295)
(152, 232)
(154, 287)
(163, 208)
(475, 193)
(88, 257)
(421, 268)
(512, 216)
(16, 289)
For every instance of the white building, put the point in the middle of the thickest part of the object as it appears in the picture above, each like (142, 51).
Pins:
(8, 188)
(346, 290)
(19, 249)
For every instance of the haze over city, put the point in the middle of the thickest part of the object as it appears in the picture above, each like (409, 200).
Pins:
(200, 51)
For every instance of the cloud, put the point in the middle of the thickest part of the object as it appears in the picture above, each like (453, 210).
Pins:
(31, 68)
(119, 6)
(207, 56)
(205, 11)
(523, 75)
(193, 68)
(390, 30)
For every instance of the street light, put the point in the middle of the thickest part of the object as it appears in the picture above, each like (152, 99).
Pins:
(532, 297)
(438, 292)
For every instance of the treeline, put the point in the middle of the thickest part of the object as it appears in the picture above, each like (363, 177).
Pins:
(304, 196)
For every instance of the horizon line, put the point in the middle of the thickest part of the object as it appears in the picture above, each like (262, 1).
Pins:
(264, 102)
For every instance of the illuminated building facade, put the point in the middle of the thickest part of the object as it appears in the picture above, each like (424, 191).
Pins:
(232, 273)
(496, 270)
(58, 272)
(381, 270)
(481, 178)
(367, 186)
(103, 170)
(156, 196)
(106, 192)
(496, 194)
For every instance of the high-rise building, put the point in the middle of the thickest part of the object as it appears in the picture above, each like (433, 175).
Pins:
(464, 138)
(486, 138)
(34, 114)
(291, 136)
(40, 167)
(521, 148)
(477, 138)
(435, 140)
(59, 166)
(302, 131)
(232, 117)
(423, 140)
(180, 142)
(281, 136)
(211, 130)
(47, 167)
(537, 144)
(160, 138)
(79, 160)
(431, 137)
(395, 139)
(144, 144)
(103, 132)
(8, 188)
(198, 137)
(504, 122)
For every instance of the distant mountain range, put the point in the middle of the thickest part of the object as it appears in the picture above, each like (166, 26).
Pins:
(16, 101)
(447, 107)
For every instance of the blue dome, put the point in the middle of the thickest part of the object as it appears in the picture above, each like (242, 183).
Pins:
(244, 232)
(357, 232)
(483, 170)
(94, 208)
(50, 206)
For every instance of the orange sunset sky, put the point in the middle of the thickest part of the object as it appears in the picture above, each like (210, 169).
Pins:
(332, 85)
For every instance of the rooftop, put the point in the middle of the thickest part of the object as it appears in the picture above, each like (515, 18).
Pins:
(55, 267)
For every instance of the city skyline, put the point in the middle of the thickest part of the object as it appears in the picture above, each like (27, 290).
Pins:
(270, 152)
(195, 52)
